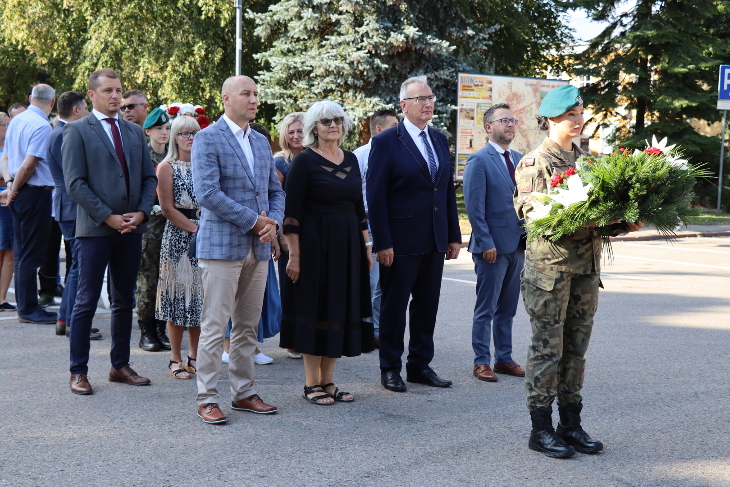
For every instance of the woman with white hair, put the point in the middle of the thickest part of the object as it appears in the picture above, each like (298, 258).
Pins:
(179, 289)
(329, 258)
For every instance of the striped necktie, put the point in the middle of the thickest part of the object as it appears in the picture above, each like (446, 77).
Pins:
(431, 158)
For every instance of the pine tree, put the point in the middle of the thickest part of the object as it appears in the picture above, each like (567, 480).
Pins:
(358, 52)
(657, 60)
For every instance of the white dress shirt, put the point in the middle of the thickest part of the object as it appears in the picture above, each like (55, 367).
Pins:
(501, 152)
(243, 141)
(415, 135)
(363, 153)
(107, 126)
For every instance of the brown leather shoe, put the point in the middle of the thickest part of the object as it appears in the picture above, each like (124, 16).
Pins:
(253, 404)
(80, 384)
(210, 413)
(128, 376)
(483, 372)
(511, 368)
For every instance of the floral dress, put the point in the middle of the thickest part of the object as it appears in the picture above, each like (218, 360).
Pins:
(179, 288)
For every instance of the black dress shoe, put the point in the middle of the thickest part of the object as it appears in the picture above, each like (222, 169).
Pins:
(392, 381)
(427, 376)
(61, 329)
(93, 334)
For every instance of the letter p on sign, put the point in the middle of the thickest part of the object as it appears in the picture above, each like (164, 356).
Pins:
(723, 89)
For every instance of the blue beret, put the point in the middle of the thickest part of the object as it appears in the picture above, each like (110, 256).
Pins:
(155, 118)
(560, 100)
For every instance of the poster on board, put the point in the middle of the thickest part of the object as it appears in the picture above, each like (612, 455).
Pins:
(477, 92)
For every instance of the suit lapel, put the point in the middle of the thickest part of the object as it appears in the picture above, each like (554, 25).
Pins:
(498, 160)
(127, 137)
(442, 154)
(228, 135)
(96, 124)
(407, 140)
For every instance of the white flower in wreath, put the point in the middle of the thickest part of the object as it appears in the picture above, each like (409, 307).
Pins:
(539, 210)
(575, 193)
(156, 210)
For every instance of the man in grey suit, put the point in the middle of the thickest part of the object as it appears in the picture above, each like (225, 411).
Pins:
(496, 243)
(236, 184)
(109, 173)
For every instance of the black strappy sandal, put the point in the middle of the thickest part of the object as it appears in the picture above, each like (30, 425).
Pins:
(338, 394)
(176, 373)
(190, 367)
(315, 399)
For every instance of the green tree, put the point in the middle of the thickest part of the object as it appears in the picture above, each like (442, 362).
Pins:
(358, 52)
(174, 51)
(656, 68)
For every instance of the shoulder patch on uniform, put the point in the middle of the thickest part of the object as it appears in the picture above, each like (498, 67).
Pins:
(529, 161)
(526, 189)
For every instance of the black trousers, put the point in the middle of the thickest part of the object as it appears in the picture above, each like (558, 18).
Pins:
(48, 273)
(31, 212)
(418, 278)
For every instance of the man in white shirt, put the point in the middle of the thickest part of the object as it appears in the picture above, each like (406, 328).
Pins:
(381, 120)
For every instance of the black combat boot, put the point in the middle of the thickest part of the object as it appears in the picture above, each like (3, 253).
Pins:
(161, 335)
(543, 437)
(148, 340)
(570, 430)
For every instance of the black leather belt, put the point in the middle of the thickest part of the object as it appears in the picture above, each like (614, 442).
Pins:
(190, 213)
(44, 188)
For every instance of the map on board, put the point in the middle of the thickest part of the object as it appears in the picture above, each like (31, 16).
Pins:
(477, 92)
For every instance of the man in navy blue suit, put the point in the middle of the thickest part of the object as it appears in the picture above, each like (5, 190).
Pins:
(412, 212)
(496, 243)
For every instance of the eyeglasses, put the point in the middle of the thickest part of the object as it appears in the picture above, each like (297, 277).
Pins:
(506, 121)
(187, 135)
(422, 99)
(328, 121)
(130, 106)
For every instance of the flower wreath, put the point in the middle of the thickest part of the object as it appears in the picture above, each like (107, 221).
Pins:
(178, 109)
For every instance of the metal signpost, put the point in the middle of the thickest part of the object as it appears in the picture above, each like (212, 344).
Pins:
(723, 103)
(239, 42)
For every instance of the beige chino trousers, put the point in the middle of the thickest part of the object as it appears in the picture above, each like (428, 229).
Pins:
(231, 289)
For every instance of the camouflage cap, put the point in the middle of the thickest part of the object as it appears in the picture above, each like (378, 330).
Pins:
(155, 118)
(560, 100)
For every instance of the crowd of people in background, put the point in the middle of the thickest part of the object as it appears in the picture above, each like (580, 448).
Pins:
(186, 222)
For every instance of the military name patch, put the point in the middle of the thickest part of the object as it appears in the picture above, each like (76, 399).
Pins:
(526, 189)
(529, 161)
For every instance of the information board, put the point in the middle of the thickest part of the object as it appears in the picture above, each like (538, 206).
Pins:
(477, 92)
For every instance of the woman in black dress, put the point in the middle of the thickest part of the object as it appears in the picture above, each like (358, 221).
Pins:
(326, 228)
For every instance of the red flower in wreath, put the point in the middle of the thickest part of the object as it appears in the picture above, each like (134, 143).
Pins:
(556, 180)
(203, 121)
(569, 172)
(173, 110)
(653, 151)
(200, 111)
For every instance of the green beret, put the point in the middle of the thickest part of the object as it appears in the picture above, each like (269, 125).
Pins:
(560, 100)
(155, 118)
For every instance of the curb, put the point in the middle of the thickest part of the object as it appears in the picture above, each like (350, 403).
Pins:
(656, 236)
(639, 238)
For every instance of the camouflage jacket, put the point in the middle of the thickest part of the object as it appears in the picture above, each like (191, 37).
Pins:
(156, 223)
(578, 253)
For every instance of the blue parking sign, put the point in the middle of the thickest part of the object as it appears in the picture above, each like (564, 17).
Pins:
(723, 88)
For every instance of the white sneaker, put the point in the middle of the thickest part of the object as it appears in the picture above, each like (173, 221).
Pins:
(262, 359)
(224, 359)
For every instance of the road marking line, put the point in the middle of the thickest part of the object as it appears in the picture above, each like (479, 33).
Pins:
(622, 276)
(682, 249)
(459, 280)
(673, 262)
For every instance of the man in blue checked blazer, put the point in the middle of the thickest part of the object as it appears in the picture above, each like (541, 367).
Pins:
(242, 207)
(496, 243)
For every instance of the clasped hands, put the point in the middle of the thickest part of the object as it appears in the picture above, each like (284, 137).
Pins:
(7, 197)
(125, 223)
(265, 227)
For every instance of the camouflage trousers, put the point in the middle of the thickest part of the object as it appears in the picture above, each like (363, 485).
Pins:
(561, 306)
(149, 270)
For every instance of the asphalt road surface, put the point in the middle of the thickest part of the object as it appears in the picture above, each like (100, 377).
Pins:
(656, 393)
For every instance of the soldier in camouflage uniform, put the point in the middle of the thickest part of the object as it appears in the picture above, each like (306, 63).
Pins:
(560, 284)
(154, 336)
